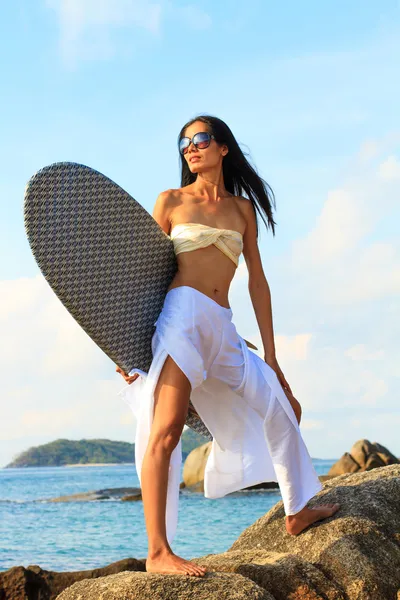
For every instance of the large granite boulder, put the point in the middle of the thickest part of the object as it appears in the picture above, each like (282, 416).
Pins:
(152, 586)
(363, 456)
(195, 464)
(358, 548)
(284, 575)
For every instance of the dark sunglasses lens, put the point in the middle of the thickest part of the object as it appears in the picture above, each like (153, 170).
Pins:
(202, 140)
(184, 145)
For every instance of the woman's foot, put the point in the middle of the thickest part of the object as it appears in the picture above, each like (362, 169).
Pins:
(168, 562)
(307, 516)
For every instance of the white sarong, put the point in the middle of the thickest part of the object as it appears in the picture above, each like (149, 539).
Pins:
(256, 436)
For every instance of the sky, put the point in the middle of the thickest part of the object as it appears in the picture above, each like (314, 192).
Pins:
(311, 92)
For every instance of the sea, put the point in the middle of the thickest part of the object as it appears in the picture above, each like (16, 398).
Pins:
(74, 536)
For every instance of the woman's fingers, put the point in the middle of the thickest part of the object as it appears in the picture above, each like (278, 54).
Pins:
(128, 378)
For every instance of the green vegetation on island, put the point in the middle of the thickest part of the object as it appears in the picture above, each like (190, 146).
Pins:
(65, 452)
(85, 452)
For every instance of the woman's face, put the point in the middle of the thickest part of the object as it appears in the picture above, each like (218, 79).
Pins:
(203, 159)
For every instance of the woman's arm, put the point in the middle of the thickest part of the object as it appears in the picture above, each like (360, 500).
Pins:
(258, 285)
(261, 296)
(261, 299)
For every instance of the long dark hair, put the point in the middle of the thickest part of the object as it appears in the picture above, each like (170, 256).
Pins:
(240, 178)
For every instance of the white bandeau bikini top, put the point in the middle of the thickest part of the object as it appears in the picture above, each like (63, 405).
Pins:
(190, 236)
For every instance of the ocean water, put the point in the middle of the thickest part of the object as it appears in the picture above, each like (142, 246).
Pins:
(73, 536)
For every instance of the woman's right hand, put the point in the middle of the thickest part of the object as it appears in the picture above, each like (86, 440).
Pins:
(128, 379)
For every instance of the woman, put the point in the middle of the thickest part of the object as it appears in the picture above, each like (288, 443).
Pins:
(246, 403)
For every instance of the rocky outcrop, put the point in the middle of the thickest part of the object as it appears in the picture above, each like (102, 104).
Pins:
(34, 583)
(358, 548)
(354, 555)
(284, 575)
(152, 586)
(128, 493)
(195, 464)
(363, 456)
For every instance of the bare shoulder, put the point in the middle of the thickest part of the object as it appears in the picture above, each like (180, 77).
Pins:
(164, 205)
(246, 209)
(164, 198)
(244, 203)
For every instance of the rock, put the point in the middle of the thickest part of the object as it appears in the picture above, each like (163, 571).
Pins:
(154, 586)
(324, 478)
(197, 488)
(387, 457)
(358, 548)
(360, 452)
(283, 575)
(345, 464)
(195, 464)
(105, 494)
(373, 461)
(34, 583)
(132, 497)
(363, 453)
(266, 485)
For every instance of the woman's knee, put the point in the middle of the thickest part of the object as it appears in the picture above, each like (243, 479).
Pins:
(165, 438)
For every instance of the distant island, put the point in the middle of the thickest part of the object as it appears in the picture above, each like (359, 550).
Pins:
(64, 452)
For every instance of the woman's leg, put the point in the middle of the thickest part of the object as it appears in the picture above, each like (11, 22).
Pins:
(171, 402)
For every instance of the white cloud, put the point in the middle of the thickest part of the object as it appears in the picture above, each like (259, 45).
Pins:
(311, 424)
(38, 330)
(56, 381)
(88, 27)
(368, 150)
(290, 347)
(361, 352)
(390, 169)
(295, 346)
(341, 259)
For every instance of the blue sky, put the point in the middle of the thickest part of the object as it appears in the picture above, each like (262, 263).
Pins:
(311, 90)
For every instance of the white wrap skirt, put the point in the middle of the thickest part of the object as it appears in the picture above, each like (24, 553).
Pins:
(256, 436)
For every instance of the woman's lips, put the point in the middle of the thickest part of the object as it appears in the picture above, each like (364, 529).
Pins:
(194, 159)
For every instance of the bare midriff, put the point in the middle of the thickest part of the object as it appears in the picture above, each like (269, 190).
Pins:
(208, 270)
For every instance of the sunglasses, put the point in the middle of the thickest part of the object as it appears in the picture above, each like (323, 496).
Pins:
(200, 140)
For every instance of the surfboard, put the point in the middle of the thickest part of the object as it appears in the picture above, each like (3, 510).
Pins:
(105, 257)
